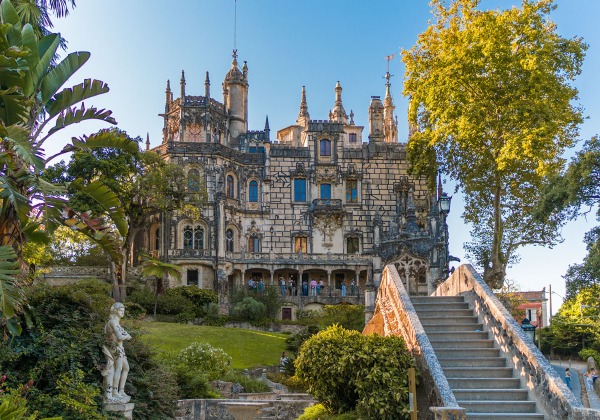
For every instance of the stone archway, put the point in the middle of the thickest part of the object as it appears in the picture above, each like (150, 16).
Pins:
(413, 272)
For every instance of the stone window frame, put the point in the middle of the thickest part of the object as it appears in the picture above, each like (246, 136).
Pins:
(199, 225)
(254, 243)
(230, 242)
(231, 186)
(325, 147)
(352, 138)
(295, 190)
(321, 185)
(357, 201)
(250, 196)
(300, 240)
(355, 234)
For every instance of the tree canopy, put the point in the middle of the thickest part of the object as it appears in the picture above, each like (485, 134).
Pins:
(492, 105)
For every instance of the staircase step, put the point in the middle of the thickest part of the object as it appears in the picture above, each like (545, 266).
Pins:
(462, 344)
(484, 383)
(507, 416)
(491, 394)
(438, 299)
(438, 306)
(444, 320)
(445, 313)
(498, 406)
(472, 361)
(446, 353)
(433, 328)
(457, 335)
(478, 372)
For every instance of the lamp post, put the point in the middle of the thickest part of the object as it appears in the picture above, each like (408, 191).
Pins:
(444, 202)
(529, 329)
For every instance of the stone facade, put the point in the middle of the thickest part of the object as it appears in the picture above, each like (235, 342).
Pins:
(318, 201)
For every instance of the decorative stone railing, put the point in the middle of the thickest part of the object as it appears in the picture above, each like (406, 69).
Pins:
(190, 253)
(395, 315)
(549, 390)
(299, 257)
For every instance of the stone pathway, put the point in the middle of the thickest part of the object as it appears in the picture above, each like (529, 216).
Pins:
(577, 368)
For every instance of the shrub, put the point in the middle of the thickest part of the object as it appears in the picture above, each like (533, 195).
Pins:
(348, 371)
(249, 384)
(350, 317)
(199, 298)
(318, 412)
(293, 383)
(295, 341)
(249, 309)
(197, 365)
(173, 303)
(586, 353)
(143, 297)
(270, 297)
(134, 310)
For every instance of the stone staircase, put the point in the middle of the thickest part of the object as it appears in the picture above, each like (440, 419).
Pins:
(478, 375)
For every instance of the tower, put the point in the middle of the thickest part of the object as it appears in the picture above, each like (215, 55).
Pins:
(235, 98)
(390, 127)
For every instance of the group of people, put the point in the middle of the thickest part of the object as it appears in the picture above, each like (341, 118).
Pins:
(590, 378)
(256, 285)
(313, 288)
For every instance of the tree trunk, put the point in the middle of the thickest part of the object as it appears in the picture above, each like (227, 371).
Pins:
(494, 277)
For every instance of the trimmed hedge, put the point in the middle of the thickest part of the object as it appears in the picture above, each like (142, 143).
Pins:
(347, 371)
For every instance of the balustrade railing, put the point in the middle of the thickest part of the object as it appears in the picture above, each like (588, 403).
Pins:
(190, 253)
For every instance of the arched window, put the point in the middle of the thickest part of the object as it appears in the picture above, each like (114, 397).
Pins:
(254, 244)
(325, 147)
(193, 237)
(229, 241)
(253, 192)
(193, 181)
(230, 186)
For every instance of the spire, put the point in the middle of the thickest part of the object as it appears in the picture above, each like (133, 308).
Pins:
(267, 130)
(182, 83)
(339, 113)
(351, 117)
(390, 123)
(245, 70)
(147, 141)
(207, 87)
(168, 96)
(303, 116)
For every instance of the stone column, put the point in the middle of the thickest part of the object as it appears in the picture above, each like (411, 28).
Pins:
(329, 282)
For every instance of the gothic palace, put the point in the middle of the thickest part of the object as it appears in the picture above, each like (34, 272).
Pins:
(316, 201)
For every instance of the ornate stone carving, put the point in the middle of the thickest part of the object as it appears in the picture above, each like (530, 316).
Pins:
(327, 223)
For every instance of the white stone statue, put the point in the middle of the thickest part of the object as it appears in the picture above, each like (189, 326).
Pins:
(117, 368)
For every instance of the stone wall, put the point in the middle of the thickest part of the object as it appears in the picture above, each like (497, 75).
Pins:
(395, 315)
(551, 393)
(241, 409)
(63, 275)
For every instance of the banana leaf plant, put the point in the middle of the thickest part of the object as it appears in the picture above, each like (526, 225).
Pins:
(34, 106)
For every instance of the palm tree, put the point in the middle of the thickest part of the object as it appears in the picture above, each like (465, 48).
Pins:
(159, 270)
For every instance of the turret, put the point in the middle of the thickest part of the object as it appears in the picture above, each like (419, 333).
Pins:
(207, 88)
(235, 97)
(267, 130)
(303, 116)
(376, 120)
(339, 113)
(182, 85)
(168, 96)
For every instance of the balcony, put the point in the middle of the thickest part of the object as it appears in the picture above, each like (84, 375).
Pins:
(190, 253)
(326, 205)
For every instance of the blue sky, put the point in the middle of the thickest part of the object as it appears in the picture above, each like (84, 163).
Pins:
(137, 45)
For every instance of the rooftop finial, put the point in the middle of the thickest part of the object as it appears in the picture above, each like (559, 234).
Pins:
(168, 85)
(182, 83)
(303, 115)
(207, 87)
(147, 141)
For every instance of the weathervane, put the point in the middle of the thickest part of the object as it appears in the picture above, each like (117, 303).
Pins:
(387, 69)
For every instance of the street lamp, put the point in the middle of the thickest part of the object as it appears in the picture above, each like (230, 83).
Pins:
(528, 328)
(444, 203)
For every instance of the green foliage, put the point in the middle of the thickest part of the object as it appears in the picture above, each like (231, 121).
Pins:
(198, 298)
(587, 353)
(249, 309)
(577, 324)
(60, 356)
(478, 83)
(366, 373)
(134, 311)
(293, 383)
(270, 298)
(295, 341)
(143, 297)
(250, 385)
(319, 412)
(350, 317)
(197, 365)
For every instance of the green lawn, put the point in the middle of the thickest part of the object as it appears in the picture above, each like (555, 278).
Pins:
(247, 348)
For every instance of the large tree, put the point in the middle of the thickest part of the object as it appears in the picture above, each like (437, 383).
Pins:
(33, 107)
(492, 105)
(144, 183)
(576, 192)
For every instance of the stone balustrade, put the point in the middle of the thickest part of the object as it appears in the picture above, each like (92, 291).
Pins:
(395, 315)
(548, 388)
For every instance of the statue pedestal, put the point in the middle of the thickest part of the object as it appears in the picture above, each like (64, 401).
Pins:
(126, 409)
